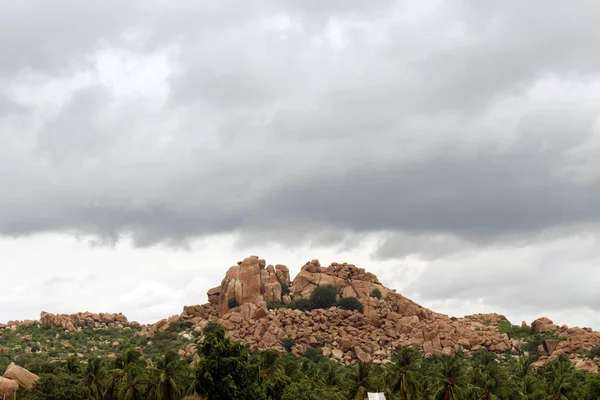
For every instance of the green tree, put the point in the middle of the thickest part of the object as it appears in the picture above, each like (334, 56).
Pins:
(94, 376)
(449, 379)
(226, 370)
(169, 369)
(134, 385)
(490, 381)
(403, 373)
(57, 387)
(559, 374)
(359, 382)
(376, 293)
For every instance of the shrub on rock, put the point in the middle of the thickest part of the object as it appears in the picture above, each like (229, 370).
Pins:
(350, 303)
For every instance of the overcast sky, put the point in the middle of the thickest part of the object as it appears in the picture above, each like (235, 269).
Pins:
(451, 147)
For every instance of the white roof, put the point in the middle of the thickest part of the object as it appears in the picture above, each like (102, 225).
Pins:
(376, 396)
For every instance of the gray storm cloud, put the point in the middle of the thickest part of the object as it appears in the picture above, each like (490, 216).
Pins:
(444, 125)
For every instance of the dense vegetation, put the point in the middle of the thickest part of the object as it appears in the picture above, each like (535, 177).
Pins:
(227, 370)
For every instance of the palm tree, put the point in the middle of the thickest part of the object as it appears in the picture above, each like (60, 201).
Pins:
(330, 374)
(114, 378)
(168, 369)
(530, 388)
(359, 381)
(490, 381)
(559, 377)
(72, 365)
(450, 379)
(94, 377)
(402, 373)
(133, 385)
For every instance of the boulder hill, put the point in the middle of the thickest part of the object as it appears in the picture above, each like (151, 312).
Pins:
(241, 305)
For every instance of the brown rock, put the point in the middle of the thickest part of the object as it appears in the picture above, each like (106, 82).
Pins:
(544, 325)
(587, 366)
(24, 378)
(8, 388)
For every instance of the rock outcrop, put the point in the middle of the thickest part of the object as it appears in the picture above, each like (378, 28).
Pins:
(250, 282)
(71, 322)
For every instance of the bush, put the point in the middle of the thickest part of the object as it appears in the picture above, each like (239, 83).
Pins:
(302, 305)
(376, 293)
(314, 354)
(350, 303)
(284, 289)
(288, 343)
(594, 352)
(232, 303)
(211, 327)
(323, 296)
(275, 305)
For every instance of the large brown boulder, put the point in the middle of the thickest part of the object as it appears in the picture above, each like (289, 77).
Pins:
(24, 378)
(8, 388)
(544, 325)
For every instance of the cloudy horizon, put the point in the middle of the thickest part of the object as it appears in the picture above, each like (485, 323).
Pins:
(452, 148)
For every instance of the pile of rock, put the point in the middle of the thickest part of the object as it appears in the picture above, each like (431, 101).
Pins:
(346, 336)
(70, 322)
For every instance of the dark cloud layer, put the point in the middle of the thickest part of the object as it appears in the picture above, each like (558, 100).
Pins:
(468, 123)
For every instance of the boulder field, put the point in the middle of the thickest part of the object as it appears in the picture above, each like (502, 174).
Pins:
(244, 305)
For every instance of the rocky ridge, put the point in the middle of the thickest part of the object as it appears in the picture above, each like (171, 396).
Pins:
(241, 305)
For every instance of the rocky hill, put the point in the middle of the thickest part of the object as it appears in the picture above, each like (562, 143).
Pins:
(259, 304)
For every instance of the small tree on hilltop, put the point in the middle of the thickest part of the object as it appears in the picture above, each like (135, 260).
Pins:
(323, 296)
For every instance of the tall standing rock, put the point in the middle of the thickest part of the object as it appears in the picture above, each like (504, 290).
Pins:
(251, 281)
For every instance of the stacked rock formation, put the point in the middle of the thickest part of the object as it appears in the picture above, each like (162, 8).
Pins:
(251, 281)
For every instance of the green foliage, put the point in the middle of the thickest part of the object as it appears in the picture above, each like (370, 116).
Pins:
(288, 343)
(376, 293)
(211, 327)
(350, 303)
(323, 296)
(514, 331)
(302, 305)
(314, 354)
(226, 370)
(275, 305)
(594, 352)
(232, 303)
(285, 290)
(57, 387)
